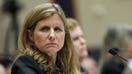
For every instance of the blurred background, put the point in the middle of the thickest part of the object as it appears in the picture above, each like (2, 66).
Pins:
(94, 16)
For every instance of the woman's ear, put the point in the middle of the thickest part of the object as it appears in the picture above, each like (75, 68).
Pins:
(30, 36)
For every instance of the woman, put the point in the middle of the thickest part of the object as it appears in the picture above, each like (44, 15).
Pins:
(77, 36)
(45, 46)
(79, 41)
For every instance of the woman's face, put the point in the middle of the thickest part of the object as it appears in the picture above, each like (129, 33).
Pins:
(49, 35)
(79, 42)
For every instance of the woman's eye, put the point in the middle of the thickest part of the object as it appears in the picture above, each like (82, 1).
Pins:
(45, 29)
(58, 29)
(76, 38)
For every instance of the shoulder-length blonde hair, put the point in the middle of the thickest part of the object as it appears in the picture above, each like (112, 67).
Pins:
(72, 23)
(67, 55)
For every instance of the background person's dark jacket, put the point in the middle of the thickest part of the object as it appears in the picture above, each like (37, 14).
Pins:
(113, 66)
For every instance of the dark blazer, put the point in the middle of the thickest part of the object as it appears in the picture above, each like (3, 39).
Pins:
(27, 65)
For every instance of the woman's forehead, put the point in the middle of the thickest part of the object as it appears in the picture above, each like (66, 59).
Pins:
(52, 20)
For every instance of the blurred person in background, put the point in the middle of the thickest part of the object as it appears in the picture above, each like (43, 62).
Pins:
(90, 65)
(45, 45)
(78, 40)
(2, 69)
(117, 36)
(6, 61)
(128, 69)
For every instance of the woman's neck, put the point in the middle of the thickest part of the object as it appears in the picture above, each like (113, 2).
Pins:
(53, 56)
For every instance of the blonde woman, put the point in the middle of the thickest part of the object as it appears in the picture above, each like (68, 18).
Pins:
(79, 41)
(45, 46)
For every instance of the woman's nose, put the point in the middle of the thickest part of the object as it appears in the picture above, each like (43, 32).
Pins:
(82, 41)
(52, 35)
